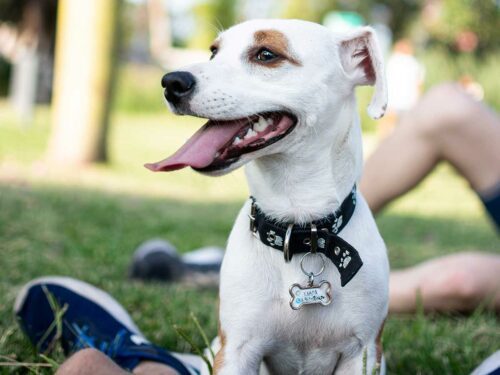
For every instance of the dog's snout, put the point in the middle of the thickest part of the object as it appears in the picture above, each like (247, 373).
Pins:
(178, 85)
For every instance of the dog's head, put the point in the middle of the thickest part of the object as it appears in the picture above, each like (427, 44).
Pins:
(269, 87)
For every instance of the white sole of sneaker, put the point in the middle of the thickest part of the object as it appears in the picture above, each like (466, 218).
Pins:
(85, 290)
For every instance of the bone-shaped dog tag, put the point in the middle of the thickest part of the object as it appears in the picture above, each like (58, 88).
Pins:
(310, 295)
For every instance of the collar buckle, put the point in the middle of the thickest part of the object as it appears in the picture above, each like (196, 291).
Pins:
(314, 238)
(286, 245)
(312, 242)
(252, 217)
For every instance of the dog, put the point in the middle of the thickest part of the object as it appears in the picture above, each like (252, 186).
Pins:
(304, 281)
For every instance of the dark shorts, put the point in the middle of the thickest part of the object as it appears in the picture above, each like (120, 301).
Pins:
(491, 201)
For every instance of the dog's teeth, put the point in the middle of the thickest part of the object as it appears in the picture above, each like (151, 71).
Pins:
(250, 133)
(217, 154)
(261, 125)
(255, 125)
(237, 140)
(269, 121)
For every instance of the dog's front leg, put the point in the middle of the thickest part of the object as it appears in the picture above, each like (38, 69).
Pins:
(238, 358)
(369, 360)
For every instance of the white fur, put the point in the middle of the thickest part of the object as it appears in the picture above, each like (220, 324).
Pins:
(302, 177)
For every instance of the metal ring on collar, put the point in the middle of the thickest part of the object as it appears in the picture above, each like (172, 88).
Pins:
(286, 246)
(322, 256)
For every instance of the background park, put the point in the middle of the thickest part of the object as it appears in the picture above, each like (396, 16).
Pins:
(81, 111)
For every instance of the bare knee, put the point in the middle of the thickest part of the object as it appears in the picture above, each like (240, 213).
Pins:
(442, 109)
(455, 288)
(88, 361)
(458, 286)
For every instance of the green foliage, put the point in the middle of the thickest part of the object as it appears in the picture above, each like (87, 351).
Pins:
(479, 16)
(403, 13)
(11, 10)
(314, 10)
(138, 89)
(441, 67)
(310, 10)
(212, 16)
(4, 77)
(225, 13)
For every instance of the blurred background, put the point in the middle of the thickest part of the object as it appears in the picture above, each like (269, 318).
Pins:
(82, 109)
(77, 62)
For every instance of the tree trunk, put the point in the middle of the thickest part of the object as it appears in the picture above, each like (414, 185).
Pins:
(83, 77)
(23, 85)
(160, 40)
(25, 61)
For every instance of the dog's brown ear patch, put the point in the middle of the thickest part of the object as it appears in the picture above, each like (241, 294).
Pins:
(276, 42)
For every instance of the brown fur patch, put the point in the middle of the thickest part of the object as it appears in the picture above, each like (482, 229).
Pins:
(378, 343)
(219, 357)
(276, 42)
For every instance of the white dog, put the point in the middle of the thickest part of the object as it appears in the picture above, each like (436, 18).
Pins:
(279, 96)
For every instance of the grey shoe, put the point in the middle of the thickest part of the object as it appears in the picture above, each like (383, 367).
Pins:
(159, 260)
(156, 260)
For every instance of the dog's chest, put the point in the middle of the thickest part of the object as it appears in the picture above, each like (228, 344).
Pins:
(308, 341)
(255, 305)
(304, 341)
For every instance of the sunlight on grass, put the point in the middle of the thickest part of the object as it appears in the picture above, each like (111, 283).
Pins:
(87, 223)
(134, 141)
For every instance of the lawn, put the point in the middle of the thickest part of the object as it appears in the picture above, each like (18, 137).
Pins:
(87, 223)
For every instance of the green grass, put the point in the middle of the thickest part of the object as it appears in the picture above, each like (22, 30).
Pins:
(87, 223)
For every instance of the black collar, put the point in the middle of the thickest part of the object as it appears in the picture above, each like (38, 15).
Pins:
(320, 235)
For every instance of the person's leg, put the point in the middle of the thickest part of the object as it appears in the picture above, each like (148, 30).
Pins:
(91, 362)
(89, 318)
(459, 282)
(94, 362)
(446, 124)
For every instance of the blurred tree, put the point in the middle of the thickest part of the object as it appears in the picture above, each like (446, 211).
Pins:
(402, 14)
(4, 76)
(311, 10)
(225, 11)
(211, 16)
(401, 11)
(27, 30)
(84, 72)
(466, 25)
(160, 40)
(160, 35)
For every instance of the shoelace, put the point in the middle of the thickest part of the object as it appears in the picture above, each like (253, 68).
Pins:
(83, 340)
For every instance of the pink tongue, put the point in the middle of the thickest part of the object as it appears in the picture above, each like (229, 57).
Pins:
(199, 151)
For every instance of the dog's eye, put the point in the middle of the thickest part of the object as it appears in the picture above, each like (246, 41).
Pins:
(214, 51)
(265, 55)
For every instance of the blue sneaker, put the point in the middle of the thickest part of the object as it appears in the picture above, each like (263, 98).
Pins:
(89, 318)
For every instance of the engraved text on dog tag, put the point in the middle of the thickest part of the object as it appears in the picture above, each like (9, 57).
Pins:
(310, 294)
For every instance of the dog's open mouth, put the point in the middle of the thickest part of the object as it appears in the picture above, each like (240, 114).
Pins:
(218, 144)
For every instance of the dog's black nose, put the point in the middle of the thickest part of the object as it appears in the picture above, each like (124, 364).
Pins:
(178, 85)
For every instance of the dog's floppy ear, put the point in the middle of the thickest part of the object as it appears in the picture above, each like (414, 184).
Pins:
(362, 62)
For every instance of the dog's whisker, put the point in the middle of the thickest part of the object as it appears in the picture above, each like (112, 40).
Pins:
(218, 28)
